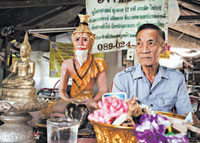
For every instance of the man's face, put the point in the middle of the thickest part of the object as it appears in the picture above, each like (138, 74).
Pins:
(82, 41)
(149, 45)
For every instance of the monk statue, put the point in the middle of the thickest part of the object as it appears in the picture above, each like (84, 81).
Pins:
(19, 82)
(85, 70)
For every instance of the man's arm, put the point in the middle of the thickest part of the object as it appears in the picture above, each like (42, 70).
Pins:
(64, 77)
(183, 104)
(117, 85)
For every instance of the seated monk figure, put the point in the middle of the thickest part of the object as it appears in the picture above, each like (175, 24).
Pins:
(85, 70)
(23, 70)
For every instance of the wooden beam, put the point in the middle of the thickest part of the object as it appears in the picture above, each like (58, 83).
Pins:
(179, 40)
(37, 3)
(64, 17)
(42, 16)
(189, 20)
(191, 30)
(45, 37)
(51, 30)
(193, 7)
(184, 11)
(66, 27)
(194, 2)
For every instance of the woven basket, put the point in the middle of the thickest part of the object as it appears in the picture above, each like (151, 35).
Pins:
(106, 133)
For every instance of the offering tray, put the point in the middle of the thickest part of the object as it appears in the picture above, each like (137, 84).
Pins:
(107, 133)
(172, 115)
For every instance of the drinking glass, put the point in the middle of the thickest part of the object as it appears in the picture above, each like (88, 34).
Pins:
(62, 130)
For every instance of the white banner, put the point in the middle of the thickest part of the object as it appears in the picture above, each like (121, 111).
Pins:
(115, 22)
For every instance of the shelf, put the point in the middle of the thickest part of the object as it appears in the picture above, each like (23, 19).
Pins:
(193, 85)
(191, 72)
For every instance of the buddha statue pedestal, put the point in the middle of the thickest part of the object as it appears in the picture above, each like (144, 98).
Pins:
(15, 128)
(15, 116)
(18, 98)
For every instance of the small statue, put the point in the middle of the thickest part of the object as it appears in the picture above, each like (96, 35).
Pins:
(19, 85)
(23, 70)
(85, 71)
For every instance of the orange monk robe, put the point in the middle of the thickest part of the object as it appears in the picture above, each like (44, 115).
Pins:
(84, 74)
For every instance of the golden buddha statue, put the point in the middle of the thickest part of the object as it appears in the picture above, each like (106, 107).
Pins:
(20, 82)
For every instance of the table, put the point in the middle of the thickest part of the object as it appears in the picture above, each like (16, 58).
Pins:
(87, 140)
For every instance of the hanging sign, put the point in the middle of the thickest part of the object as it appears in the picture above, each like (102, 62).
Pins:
(58, 53)
(115, 22)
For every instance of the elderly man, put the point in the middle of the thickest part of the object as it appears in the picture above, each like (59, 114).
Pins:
(158, 87)
(85, 70)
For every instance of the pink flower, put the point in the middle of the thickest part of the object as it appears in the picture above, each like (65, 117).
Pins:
(99, 116)
(110, 109)
(113, 106)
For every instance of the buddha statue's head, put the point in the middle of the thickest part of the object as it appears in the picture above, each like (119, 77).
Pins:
(83, 40)
(25, 47)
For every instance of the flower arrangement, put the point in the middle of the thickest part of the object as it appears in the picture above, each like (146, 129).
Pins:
(110, 109)
(150, 129)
